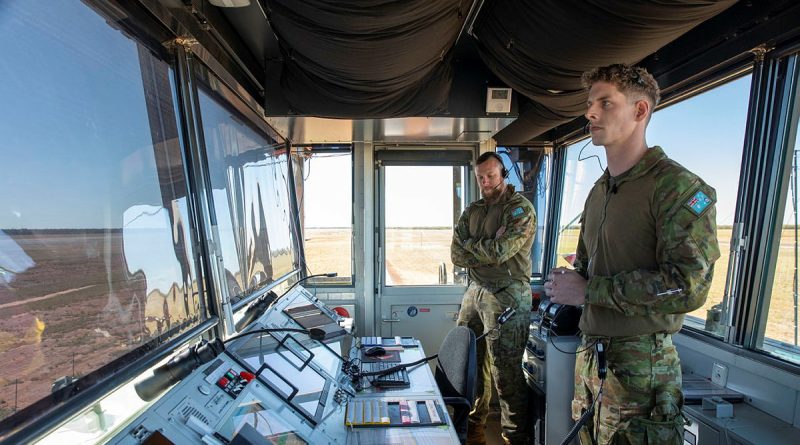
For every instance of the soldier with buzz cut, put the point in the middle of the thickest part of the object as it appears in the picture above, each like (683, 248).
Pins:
(493, 240)
(645, 258)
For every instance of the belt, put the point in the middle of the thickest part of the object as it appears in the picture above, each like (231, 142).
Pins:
(656, 336)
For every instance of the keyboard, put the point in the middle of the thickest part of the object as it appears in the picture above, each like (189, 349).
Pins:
(395, 379)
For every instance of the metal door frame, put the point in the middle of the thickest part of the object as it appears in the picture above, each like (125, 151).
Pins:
(386, 296)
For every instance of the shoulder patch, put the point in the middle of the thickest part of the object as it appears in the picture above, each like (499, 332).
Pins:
(698, 202)
(517, 212)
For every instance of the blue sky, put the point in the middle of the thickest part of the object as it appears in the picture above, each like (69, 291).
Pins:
(87, 154)
(73, 122)
(705, 134)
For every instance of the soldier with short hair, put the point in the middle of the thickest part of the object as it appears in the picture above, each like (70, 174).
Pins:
(645, 258)
(493, 240)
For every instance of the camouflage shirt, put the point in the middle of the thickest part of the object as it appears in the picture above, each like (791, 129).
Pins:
(491, 261)
(647, 246)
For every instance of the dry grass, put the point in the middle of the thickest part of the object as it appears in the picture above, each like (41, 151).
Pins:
(106, 313)
(329, 250)
(413, 258)
(74, 311)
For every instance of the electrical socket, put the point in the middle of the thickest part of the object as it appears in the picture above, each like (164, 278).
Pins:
(719, 374)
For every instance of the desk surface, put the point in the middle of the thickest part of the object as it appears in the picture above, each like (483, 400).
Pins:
(747, 426)
(423, 386)
(284, 387)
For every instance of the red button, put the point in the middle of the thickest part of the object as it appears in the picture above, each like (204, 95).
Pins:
(222, 382)
(247, 376)
(342, 312)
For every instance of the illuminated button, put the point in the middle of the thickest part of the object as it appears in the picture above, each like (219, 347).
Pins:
(223, 382)
(247, 376)
(230, 374)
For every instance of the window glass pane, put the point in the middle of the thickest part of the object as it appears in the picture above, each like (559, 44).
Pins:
(530, 175)
(95, 255)
(421, 205)
(781, 328)
(706, 135)
(585, 164)
(326, 212)
(250, 196)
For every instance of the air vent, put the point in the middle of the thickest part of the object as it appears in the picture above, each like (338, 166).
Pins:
(187, 410)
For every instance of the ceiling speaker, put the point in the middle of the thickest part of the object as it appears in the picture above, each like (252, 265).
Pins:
(230, 3)
(498, 100)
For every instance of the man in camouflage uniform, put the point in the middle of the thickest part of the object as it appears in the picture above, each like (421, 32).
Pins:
(645, 258)
(493, 240)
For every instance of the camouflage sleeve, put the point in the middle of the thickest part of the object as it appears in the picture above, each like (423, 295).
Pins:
(520, 223)
(686, 249)
(458, 255)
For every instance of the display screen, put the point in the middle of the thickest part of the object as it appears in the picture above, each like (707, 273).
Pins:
(282, 363)
(263, 421)
(326, 359)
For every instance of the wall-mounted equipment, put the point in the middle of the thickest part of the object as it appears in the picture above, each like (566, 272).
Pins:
(498, 100)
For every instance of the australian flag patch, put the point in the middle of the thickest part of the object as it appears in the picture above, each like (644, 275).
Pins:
(698, 202)
(517, 212)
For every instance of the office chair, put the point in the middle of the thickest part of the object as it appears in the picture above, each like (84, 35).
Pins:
(456, 375)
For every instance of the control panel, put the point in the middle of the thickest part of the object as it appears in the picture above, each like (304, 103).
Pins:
(551, 321)
(549, 363)
(277, 385)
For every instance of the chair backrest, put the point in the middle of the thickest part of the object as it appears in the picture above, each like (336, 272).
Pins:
(456, 369)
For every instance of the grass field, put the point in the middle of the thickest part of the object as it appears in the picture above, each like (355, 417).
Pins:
(414, 256)
(79, 307)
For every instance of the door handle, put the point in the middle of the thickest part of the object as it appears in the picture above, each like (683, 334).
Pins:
(390, 320)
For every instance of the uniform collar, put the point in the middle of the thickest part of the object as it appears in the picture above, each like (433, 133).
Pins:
(651, 157)
(507, 194)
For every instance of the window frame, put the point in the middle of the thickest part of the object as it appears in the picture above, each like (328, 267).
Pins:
(775, 120)
(44, 415)
(505, 153)
(219, 87)
(327, 148)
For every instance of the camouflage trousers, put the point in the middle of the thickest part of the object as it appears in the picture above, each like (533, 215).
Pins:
(642, 397)
(499, 354)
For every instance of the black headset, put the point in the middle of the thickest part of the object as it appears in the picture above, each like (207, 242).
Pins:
(491, 154)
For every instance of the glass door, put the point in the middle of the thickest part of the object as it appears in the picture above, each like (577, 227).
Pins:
(420, 198)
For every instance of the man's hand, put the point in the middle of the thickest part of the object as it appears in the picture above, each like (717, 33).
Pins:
(565, 286)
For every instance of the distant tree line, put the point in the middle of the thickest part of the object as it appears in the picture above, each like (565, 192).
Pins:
(58, 231)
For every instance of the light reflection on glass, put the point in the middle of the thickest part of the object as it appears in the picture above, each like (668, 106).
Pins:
(249, 178)
(95, 255)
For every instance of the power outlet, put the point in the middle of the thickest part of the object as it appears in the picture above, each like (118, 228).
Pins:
(719, 374)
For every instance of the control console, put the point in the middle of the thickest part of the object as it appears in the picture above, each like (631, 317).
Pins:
(268, 387)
